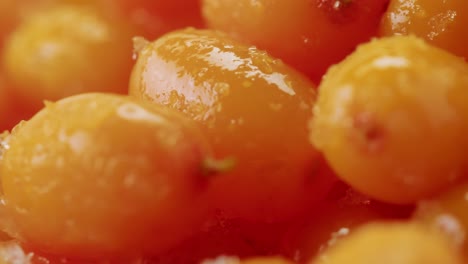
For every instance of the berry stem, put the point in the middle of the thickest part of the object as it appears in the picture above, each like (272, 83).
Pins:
(212, 166)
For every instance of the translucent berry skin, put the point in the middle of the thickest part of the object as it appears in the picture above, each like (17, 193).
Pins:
(392, 119)
(441, 23)
(64, 50)
(310, 35)
(98, 175)
(252, 107)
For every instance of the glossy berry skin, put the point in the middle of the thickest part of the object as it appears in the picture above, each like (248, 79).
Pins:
(309, 35)
(441, 23)
(65, 50)
(392, 119)
(391, 243)
(97, 175)
(252, 107)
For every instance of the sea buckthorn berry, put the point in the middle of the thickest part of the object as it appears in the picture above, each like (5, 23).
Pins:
(252, 107)
(96, 175)
(66, 50)
(12, 12)
(441, 23)
(309, 35)
(397, 243)
(392, 119)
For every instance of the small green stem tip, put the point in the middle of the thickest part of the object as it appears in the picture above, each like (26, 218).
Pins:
(213, 166)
